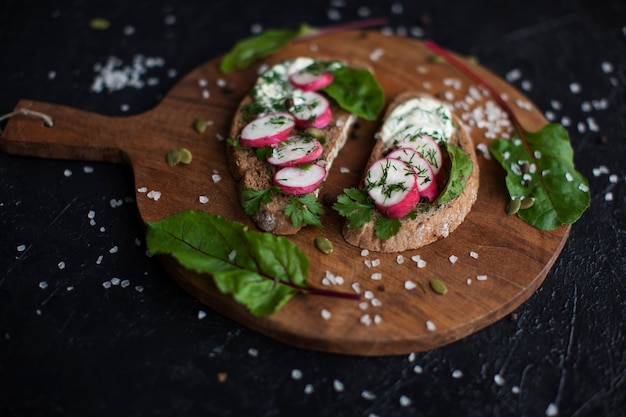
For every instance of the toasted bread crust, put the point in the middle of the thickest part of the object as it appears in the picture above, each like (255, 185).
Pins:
(250, 172)
(429, 226)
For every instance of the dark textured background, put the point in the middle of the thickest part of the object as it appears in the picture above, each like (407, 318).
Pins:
(91, 351)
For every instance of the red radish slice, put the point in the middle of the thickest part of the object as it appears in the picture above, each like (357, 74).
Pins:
(267, 130)
(296, 150)
(308, 80)
(392, 186)
(301, 179)
(428, 149)
(426, 184)
(312, 110)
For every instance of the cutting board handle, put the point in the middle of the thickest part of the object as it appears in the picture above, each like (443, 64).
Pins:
(74, 134)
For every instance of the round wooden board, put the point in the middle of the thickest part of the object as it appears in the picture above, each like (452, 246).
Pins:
(513, 256)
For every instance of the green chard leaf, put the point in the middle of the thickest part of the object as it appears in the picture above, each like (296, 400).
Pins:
(260, 270)
(250, 49)
(460, 170)
(542, 167)
(357, 91)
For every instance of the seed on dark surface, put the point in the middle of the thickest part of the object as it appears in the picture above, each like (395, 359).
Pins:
(329, 199)
(525, 167)
(381, 288)
(173, 157)
(199, 125)
(513, 206)
(526, 203)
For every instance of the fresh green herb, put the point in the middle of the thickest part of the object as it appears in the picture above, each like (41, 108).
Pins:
(461, 167)
(259, 270)
(252, 199)
(356, 206)
(262, 153)
(251, 111)
(256, 47)
(357, 91)
(561, 193)
(304, 210)
(386, 227)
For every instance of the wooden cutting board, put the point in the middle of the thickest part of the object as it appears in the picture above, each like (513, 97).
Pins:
(511, 259)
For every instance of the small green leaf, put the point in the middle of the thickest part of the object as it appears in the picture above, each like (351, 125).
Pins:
(356, 206)
(260, 270)
(460, 170)
(357, 91)
(304, 210)
(386, 227)
(253, 48)
(542, 167)
(252, 199)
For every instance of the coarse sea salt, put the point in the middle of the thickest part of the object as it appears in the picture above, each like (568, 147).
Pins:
(326, 315)
(203, 199)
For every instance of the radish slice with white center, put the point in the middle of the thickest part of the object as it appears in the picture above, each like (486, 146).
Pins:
(308, 80)
(426, 184)
(301, 179)
(428, 149)
(311, 110)
(296, 150)
(267, 130)
(392, 186)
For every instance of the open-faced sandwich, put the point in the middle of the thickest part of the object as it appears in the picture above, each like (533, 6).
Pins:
(288, 131)
(420, 182)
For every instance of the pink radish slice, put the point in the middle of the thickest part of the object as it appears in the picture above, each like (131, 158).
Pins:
(426, 184)
(267, 130)
(307, 80)
(312, 111)
(296, 150)
(428, 149)
(392, 185)
(300, 180)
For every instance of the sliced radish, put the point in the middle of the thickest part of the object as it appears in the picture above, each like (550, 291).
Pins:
(267, 130)
(426, 184)
(300, 179)
(392, 185)
(309, 79)
(296, 150)
(311, 109)
(428, 149)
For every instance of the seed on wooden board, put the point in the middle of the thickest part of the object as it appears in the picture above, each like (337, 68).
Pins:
(438, 286)
(199, 125)
(184, 155)
(526, 203)
(513, 206)
(323, 244)
(173, 157)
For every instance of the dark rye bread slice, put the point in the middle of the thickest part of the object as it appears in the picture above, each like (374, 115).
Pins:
(250, 172)
(429, 226)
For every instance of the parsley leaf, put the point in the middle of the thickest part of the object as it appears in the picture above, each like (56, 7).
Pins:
(252, 199)
(304, 210)
(355, 205)
(386, 227)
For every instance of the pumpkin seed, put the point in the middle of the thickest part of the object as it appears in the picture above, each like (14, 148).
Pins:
(526, 203)
(323, 244)
(438, 286)
(199, 125)
(513, 206)
(185, 155)
(99, 24)
(173, 157)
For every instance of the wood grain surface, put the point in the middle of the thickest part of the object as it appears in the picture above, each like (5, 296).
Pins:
(513, 256)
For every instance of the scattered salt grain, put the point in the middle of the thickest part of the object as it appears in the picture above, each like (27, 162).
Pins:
(376, 54)
(499, 380)
(232, 255)
(409, 285)
(201, 314)
(344, 170)
(365, 252)
(453, 259)
(296, 374)
(430, 326)
(169, 20)
(154, 195)
(333, 14)
(457, 373)
(376, 302)
(115, 281)
(473, 255)
(216, 178)
(99, 260)
(399, 259)
(43, 285)
(125, 283)
(527, 85)
(515, 389)
(481, 277)
(405, 401)
(513, 75)
(21, 248)
(129, 30)
(142, 189)
(67, 173)
(608, 196)
(377, 319)
(338, 385)
(368, 395)
(366, 320)
(356, 287)
(552, 410)
(70, 288)
(203, 199)
(607, 67)
(376, 276)
(253, 352)
(419, 261)
(613, 179)
(139, 288)
(468, 281)
(308, 389)
(418, 369)
(593, 126)
(368, 295)
(363, 11)
(88, 170)
(363, 305)
(326, 315)
(114, 249)
(574, 88)
(106, 284)
(61, 265)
